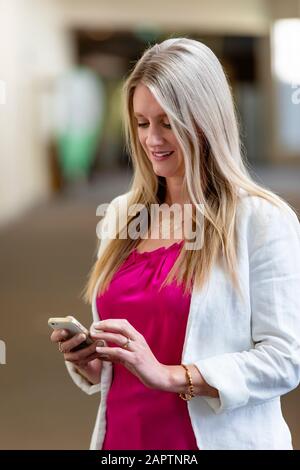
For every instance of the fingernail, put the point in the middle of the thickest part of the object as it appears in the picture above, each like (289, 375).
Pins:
(64, 333)
(100, 343)
(83, 337)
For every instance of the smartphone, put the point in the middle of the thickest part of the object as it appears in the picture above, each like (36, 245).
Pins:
(73, 326)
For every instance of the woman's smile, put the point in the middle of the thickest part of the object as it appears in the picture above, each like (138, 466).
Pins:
(162, 156)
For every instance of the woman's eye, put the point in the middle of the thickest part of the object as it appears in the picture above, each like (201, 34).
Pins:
(144, 124)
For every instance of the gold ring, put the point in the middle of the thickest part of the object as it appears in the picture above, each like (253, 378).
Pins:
(127, 344)
(59, 346)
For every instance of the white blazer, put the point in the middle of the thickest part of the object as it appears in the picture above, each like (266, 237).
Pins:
(249, 350)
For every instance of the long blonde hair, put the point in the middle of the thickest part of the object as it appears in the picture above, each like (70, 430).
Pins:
(189, 83)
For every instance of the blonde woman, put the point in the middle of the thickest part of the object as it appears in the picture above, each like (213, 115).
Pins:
(195, 343)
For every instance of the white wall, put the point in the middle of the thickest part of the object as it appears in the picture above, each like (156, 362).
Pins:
(33, 49)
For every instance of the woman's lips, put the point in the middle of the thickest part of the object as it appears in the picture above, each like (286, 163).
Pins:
(162, 155)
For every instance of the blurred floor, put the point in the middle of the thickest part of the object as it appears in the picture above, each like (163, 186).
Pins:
(45, 258)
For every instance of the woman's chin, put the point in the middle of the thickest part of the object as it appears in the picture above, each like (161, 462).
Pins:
(159, 170)
(164, 174)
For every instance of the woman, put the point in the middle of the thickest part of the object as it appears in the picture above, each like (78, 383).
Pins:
(194, 345)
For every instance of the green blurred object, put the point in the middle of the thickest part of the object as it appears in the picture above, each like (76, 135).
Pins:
(79, 121)
(77, 151)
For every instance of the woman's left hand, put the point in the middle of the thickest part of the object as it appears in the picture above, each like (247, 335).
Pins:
(131, 350)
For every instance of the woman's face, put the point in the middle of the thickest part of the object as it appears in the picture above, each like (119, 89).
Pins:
(155, 135)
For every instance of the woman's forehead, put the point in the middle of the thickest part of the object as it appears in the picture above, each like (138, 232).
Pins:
(145, 104)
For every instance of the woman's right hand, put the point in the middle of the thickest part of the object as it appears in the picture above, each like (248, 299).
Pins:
(86, 360)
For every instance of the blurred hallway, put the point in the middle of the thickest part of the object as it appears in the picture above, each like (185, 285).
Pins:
(45, 258)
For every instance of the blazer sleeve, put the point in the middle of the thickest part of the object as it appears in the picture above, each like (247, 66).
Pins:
(272, 367)
(106, 226)
(81, 381)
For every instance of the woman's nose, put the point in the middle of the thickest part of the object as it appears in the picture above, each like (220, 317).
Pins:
(154, 138)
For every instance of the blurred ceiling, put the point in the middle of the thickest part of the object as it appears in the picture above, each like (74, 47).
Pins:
(210, 16)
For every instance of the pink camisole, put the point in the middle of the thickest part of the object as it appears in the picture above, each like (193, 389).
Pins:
(137, 417)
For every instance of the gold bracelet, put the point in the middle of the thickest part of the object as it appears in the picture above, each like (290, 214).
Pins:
(188, 396)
